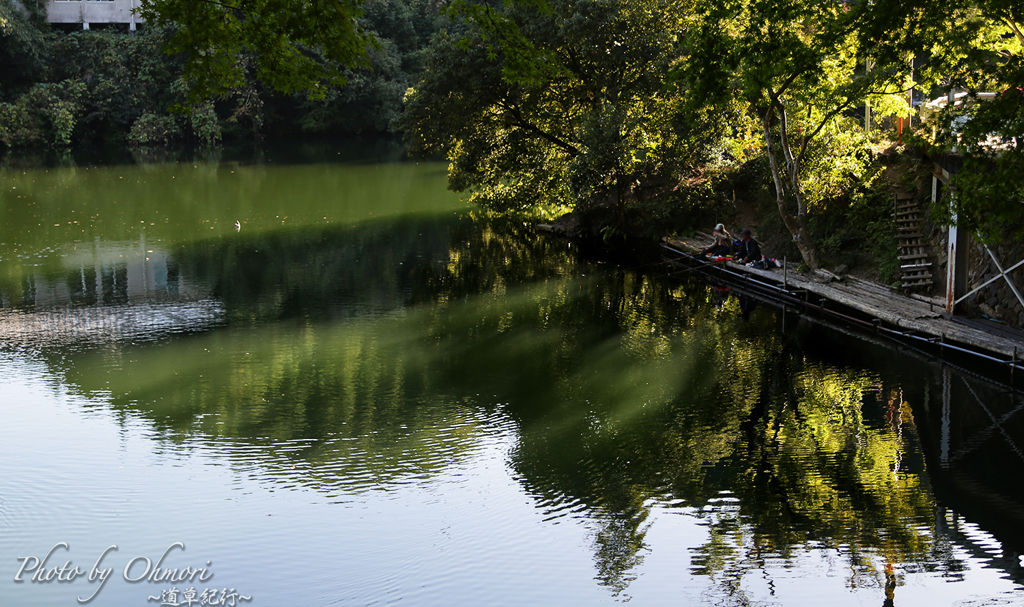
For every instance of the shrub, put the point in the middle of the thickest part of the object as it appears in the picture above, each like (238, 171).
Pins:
(45, 115)
(153, 130)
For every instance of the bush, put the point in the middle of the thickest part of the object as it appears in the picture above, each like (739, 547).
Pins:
(44, 116)
(153, 130)
(205, 125)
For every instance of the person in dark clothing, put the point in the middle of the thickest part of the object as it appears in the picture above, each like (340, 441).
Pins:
(722, 245)
(749, 250)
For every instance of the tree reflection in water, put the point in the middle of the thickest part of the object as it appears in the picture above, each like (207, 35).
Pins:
(350, 359)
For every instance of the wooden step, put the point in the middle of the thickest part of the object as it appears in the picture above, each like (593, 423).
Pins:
(915, 271)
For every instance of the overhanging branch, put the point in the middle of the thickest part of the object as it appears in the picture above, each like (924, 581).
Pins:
(521, 122)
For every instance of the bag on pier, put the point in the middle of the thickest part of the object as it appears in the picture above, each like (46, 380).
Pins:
(765, 264)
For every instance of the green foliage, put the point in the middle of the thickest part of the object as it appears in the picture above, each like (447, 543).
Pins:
(22, 48)
(838, 161)
(980, 48)
(282, 35)
(126, 76)
(860, 234)
(540, 102)
(370, 101)
(100, 85)
(153, 130)
(37, 13)
(138, 93)
(989, 190)
(850, 218)
(409, 24)
(205, 126)
(556, 105)
(524, 61)
(797, 65)
(45, 115)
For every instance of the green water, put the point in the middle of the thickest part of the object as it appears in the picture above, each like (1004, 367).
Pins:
(369, 393)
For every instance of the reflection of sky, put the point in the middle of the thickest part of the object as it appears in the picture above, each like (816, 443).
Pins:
(99, 324)
(811, 575)
(106, 292)
(79, 472)
(109, 272)
(78, 475)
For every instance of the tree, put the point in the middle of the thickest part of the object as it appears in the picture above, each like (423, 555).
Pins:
(21, 50)
(560, 105)
(983, 51)
(798, 67)
(282, 34)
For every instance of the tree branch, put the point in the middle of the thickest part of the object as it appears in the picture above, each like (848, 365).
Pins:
(828, 117)
(521, 122)
(784, 86)
(1015, 28)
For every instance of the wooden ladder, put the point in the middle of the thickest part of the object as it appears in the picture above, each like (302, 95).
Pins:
(916, 270)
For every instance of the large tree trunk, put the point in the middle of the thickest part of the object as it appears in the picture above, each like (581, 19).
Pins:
(797, 225)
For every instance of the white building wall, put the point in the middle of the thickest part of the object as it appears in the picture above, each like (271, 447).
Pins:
(93, 11)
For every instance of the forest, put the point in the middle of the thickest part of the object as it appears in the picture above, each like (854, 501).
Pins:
(634, 118)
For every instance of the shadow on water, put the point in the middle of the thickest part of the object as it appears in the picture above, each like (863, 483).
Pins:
(348, 359)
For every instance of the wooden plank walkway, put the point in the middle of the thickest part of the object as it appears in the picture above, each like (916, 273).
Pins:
(917, 315)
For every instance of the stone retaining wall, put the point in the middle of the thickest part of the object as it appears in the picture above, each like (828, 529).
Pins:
(997, 300)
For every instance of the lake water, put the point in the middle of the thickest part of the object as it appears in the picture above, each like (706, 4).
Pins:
(369, 393)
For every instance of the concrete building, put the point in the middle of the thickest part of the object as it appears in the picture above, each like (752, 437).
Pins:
(89, 12)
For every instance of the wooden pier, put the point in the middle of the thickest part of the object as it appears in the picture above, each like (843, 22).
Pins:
(873, 305)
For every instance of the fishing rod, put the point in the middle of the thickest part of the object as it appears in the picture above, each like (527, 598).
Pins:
(700, 267)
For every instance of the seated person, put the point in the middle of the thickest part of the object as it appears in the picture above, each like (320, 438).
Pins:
(749, 251)
(722, 245)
